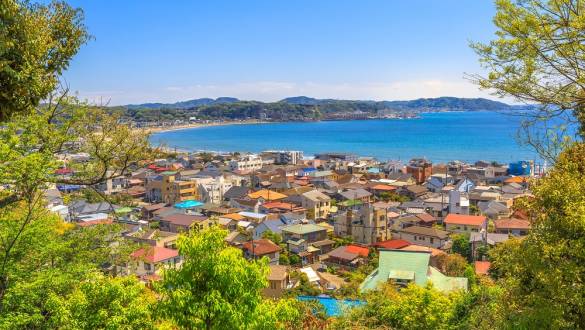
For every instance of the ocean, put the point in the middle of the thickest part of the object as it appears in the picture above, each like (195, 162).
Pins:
(439, 136)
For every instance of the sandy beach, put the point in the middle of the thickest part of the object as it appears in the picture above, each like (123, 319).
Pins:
(197, 125)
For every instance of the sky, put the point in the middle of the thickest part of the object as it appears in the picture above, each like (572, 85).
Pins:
(266, 50)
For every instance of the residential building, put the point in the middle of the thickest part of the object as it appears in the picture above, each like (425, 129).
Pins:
(307, 240)
(260, 248)
(365, 224)
(278, 281)
(316, 203)
(458, 203)
(150, 260)
(246, 164)
(425, 236)
(420, 169)
(404, 267)
(515, 227)
(212, 189)
(350, 256)
(461, 223)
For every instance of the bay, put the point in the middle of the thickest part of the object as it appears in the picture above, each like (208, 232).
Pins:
(439, 136)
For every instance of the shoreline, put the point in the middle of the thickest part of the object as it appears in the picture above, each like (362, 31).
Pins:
(153, 130)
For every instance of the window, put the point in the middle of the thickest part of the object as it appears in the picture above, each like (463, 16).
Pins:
(432, 240)
(147, 266)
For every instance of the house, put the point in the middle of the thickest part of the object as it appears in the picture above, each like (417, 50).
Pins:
(437, 182)
(493, 209)
(461, 223)
(365, 224)
(420, 169)
(278, 281)
(154, 237)
(403, 267)
(307, 240)
(458, 203)
(260, 248)
(464, 185)
(266, 195)
(350, 256)
(150, 260)
(395, 244)
(180, 222)
(425, 236)
(148, 210)
(516, 227)
(317, 204)
(230, 221)
(236, 192)
(414, 191)
(356, 194)
(481, 239)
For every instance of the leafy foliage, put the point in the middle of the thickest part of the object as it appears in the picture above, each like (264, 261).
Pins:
(37, 43)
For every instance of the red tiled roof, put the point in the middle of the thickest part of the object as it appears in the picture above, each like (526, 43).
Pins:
(482, 267)
(384, 187)
(425, 217)
(392, 244)
(154, 254)
(362, 251)
(261, 247)
(462, 219)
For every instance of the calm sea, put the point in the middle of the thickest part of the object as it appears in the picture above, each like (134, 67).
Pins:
(440, 137)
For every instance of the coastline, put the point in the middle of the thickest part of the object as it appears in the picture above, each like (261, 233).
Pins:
(171, 128)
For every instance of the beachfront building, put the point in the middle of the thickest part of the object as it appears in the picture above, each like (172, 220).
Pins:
(246, 164)
(284, 157)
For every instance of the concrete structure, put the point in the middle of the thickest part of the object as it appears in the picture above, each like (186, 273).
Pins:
(246, 164)
(365, 224)
(420, 169)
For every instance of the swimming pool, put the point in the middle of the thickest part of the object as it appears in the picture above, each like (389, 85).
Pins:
(333, 307)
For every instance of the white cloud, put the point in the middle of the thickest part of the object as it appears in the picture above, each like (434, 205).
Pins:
(277, 90)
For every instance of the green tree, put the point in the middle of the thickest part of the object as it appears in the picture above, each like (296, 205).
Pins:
(413, 307)
(103, 303)
(37, 42)
(461, 245)
(215, 287)
(541, 274)
(537, 57)
(452, 264)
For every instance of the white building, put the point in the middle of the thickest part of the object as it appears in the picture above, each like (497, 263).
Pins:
(211, 190)
(458, 203)
(284, 157)
(247, 163)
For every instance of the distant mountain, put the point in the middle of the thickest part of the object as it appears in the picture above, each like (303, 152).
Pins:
(184, 104)
(439, 103)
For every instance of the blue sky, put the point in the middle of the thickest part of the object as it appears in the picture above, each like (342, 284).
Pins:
(167, 51)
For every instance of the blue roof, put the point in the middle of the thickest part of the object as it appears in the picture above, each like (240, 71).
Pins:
(188, 204)
(309, 169)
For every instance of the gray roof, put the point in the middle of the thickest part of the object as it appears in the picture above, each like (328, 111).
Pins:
(355, 194)
(236, 192)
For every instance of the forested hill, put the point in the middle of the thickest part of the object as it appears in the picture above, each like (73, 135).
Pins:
(298, 108)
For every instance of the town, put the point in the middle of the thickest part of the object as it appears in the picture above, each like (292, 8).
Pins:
(331, 226)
